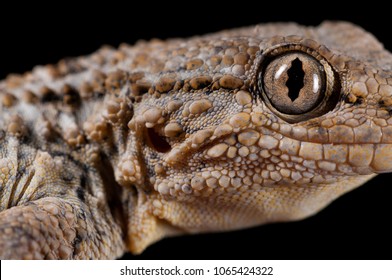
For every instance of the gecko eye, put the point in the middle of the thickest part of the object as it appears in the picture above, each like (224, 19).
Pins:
(296, 85)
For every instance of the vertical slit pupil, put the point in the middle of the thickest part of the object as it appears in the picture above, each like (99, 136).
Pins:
(295, 80)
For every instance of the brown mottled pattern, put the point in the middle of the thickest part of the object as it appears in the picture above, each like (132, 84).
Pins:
(108, 153)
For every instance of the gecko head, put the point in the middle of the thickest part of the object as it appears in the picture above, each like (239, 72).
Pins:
(254, 130)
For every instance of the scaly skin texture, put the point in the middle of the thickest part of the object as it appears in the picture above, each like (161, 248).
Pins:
(110, 152)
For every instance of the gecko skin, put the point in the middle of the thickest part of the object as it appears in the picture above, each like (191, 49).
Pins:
(108, 153)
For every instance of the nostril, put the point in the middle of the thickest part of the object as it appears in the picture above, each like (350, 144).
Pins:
(156, 141)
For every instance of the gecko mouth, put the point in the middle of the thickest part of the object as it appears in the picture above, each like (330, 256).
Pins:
(173, 151)
(199, 142)
(211, 147)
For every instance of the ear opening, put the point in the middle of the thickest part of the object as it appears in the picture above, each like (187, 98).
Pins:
(156, 141)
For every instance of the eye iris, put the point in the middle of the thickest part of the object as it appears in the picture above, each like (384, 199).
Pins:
(294, 83)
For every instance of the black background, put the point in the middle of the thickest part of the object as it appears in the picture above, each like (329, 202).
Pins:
(356, 226)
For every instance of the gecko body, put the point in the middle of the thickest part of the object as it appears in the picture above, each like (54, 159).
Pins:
(111, 152)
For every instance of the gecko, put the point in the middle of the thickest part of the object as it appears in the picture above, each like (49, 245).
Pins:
(110, 152)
